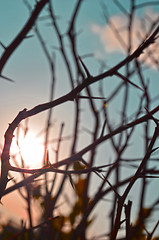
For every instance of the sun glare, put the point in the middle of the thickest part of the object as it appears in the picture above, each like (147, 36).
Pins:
(30, 149)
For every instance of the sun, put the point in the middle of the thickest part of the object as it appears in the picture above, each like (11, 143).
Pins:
(30, 148)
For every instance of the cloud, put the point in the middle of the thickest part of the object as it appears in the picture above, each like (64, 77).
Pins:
(114, 36)
(106, 35)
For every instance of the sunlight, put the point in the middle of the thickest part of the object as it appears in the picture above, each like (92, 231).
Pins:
(30, 148)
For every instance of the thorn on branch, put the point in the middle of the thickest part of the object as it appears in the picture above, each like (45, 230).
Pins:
(47, 161)
(9, 179)
(121, 222)
(85, 68)
(127, 80)
(84, 162)
(71, 181)
(154, 149)
(6, 78)
(3, 46)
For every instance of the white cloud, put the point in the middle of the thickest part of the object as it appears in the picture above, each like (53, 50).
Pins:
(107, 37)
(118, 43)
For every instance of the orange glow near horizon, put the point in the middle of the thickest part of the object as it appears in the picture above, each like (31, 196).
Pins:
(30, 148)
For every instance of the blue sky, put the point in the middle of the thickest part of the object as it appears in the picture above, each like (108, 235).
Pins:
(29, 69)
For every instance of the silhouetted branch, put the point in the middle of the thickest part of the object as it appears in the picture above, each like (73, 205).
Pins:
(22, 34)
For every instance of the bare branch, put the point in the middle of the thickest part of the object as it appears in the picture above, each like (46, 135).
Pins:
(19, 38)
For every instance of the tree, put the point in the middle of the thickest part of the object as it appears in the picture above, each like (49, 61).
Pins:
(104, 160)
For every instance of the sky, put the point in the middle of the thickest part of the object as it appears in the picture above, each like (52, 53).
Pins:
(29, 69)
